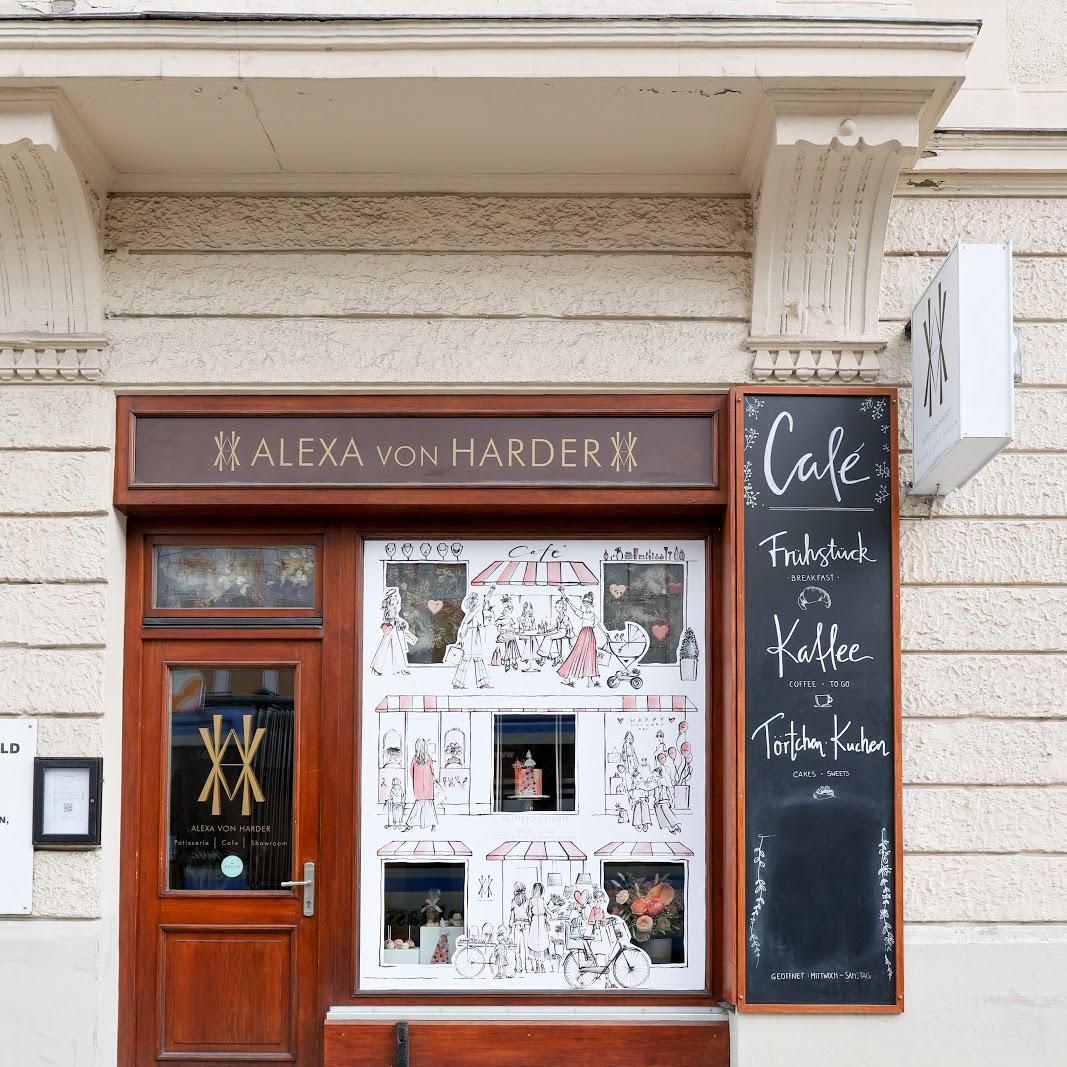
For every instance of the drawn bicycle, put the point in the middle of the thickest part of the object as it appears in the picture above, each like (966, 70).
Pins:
(626, 965)
(475, 953)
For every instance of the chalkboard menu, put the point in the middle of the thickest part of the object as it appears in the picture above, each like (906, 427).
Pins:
(820, 857)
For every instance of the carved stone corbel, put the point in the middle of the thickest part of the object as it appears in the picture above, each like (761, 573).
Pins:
(51, 177)
(822, 168)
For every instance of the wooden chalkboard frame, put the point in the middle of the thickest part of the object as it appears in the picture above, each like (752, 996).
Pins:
(738, 396)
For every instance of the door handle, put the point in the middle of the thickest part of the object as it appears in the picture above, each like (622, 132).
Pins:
(402, 1044)
(308, 882)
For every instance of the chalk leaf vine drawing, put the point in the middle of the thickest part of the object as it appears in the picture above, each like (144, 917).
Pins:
(885, 913)
(759, 895)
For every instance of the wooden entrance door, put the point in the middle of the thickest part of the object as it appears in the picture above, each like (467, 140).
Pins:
(226, 954)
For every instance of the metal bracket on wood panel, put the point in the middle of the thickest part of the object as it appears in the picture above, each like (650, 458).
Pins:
(401, 1044)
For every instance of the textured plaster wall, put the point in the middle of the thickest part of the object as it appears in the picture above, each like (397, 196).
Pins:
(469, 293)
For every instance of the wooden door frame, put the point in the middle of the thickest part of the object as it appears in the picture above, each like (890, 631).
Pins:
(333, 514)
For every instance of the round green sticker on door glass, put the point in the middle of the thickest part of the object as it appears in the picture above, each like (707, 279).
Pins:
(232, 866)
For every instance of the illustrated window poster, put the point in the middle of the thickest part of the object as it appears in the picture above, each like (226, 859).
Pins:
(533, 766)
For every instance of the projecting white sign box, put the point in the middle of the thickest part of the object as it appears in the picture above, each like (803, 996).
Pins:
(18, 746)
(961, 368)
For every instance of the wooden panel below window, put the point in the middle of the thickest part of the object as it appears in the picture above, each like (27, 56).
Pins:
(594, 1044)
(228, 991)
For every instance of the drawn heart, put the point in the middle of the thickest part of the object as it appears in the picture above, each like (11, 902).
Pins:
(660, 630)
(579, 897)
(671, 719)
(435, 606)
(617, 591)
(619, 721)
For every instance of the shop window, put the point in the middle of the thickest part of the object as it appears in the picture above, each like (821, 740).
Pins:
(230, 812)
(650, 899)
(424, 904)
(430, 594)
(234, 578)
(533, 758)
(652, 595)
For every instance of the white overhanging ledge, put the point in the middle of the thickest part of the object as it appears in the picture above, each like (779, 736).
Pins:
(812, 117)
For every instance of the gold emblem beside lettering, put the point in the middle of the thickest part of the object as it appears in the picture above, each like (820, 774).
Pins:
(226, 443)
(217, 783)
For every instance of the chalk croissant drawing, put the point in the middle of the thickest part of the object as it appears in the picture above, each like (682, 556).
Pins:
(491, 770)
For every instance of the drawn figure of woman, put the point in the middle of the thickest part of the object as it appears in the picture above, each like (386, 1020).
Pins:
(423, 779)
(538, 942)
(528, 638)
(629, 755)
(581, 663)
(394, 806)
(661, 746)
(520, 926)
(639, 816)
(473, 639)
(663, 803)
(440, 952)
(507, 634)
(396, 637)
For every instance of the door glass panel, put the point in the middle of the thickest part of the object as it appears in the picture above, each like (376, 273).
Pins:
(213, 577)
(230, 816)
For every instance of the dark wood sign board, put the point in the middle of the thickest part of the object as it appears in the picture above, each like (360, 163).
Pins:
(423, 450)
(819, 848)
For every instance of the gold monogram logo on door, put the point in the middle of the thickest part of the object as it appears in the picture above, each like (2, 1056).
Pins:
(217, 782)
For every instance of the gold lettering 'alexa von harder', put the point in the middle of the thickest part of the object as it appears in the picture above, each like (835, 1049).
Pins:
(566, 452)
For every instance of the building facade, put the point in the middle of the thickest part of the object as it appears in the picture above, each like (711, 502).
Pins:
(558, 206)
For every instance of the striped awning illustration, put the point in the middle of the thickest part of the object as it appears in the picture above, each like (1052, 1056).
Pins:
(532, 575)
(537, 850)
(637, 849)
(607, 703)
(441, 849)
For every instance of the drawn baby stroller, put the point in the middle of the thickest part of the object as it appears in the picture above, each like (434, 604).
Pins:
(481, 949)
(628, 647)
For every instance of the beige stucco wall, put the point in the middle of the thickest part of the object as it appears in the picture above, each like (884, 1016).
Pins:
(463, 293)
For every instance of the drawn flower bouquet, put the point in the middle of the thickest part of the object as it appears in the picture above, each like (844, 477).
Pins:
(651, 906)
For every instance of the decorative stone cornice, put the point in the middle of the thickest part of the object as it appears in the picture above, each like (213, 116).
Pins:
(51, 310)
(822, 168)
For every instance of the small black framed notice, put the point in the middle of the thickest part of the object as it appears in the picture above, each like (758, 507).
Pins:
(819, 749)
(66, 802)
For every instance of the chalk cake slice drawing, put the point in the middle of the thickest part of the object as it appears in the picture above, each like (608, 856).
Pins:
(759, 896)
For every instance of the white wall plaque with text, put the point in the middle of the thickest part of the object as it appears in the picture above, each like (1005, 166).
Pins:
(18, 746)
(961, 368)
